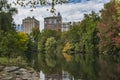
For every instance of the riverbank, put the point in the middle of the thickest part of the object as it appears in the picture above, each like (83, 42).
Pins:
(17, 73)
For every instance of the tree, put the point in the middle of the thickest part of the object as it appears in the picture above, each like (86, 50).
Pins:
(43, 37)
(66, 51)
(117, 5)
(80, 48)
(117, 39)
(70, 39)
(31, 53)
(48, 55)
(23, 41)
(108, 33)
(35, 34)
(6, 13)
(108, 30)
(9, 39)
(89, 39)
(13, 44)
(9, 45)
(1, 43)
(83, 36)
(35, 3)
(50, 52)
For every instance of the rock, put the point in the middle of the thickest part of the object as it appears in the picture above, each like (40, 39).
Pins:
(17, 73)
(34, 74)
(22, 70)
(35, 78)
(8, 78)
(26, 75)
(31, 71)
(18, 79)
(11, 69)
(1, 68)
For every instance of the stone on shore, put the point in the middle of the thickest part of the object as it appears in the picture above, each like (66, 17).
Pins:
(17, 73)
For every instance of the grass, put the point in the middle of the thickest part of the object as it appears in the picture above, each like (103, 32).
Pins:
(20, 62)
(13, 61)
(4, 60)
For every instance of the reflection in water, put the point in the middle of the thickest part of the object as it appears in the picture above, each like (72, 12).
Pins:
(90, 68)
(63, 76)
(42, 76)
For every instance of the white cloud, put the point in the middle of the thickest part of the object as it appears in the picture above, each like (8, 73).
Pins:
(69, 12)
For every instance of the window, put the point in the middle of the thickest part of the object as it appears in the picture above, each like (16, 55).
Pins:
(50, 21)
(55, 21)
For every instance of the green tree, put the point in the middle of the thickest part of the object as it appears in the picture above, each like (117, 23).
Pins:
(81, 42)
(1, 43)
(31, 53)
(6, 13)
(35, 34)
(13, 44)
(43, 37)
(9, 45)
(49, 57)
(89, 39)
(83, 36)
(50, 50)
(71, 37)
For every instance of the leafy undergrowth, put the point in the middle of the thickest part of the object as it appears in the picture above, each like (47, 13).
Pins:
(13, 62)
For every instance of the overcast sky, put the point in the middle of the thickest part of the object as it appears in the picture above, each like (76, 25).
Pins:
(72, 11)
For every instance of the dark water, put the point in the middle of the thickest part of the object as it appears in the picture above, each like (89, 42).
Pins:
(85, 68)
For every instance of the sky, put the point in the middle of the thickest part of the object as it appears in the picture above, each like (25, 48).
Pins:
(71, 12)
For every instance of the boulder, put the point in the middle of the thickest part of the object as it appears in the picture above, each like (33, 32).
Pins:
(11, 69)
(17, 73)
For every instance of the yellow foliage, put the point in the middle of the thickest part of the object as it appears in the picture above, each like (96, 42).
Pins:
(23, 39)
(118, 34)
(67, 57)
(67, 47)
(117, 0)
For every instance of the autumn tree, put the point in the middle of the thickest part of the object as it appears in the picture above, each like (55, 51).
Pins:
(117, 38)
(109, 47)
(108, 30)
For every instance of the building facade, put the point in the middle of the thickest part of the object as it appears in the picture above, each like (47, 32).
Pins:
(53, 23)
(29, 23)
(66, 26)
